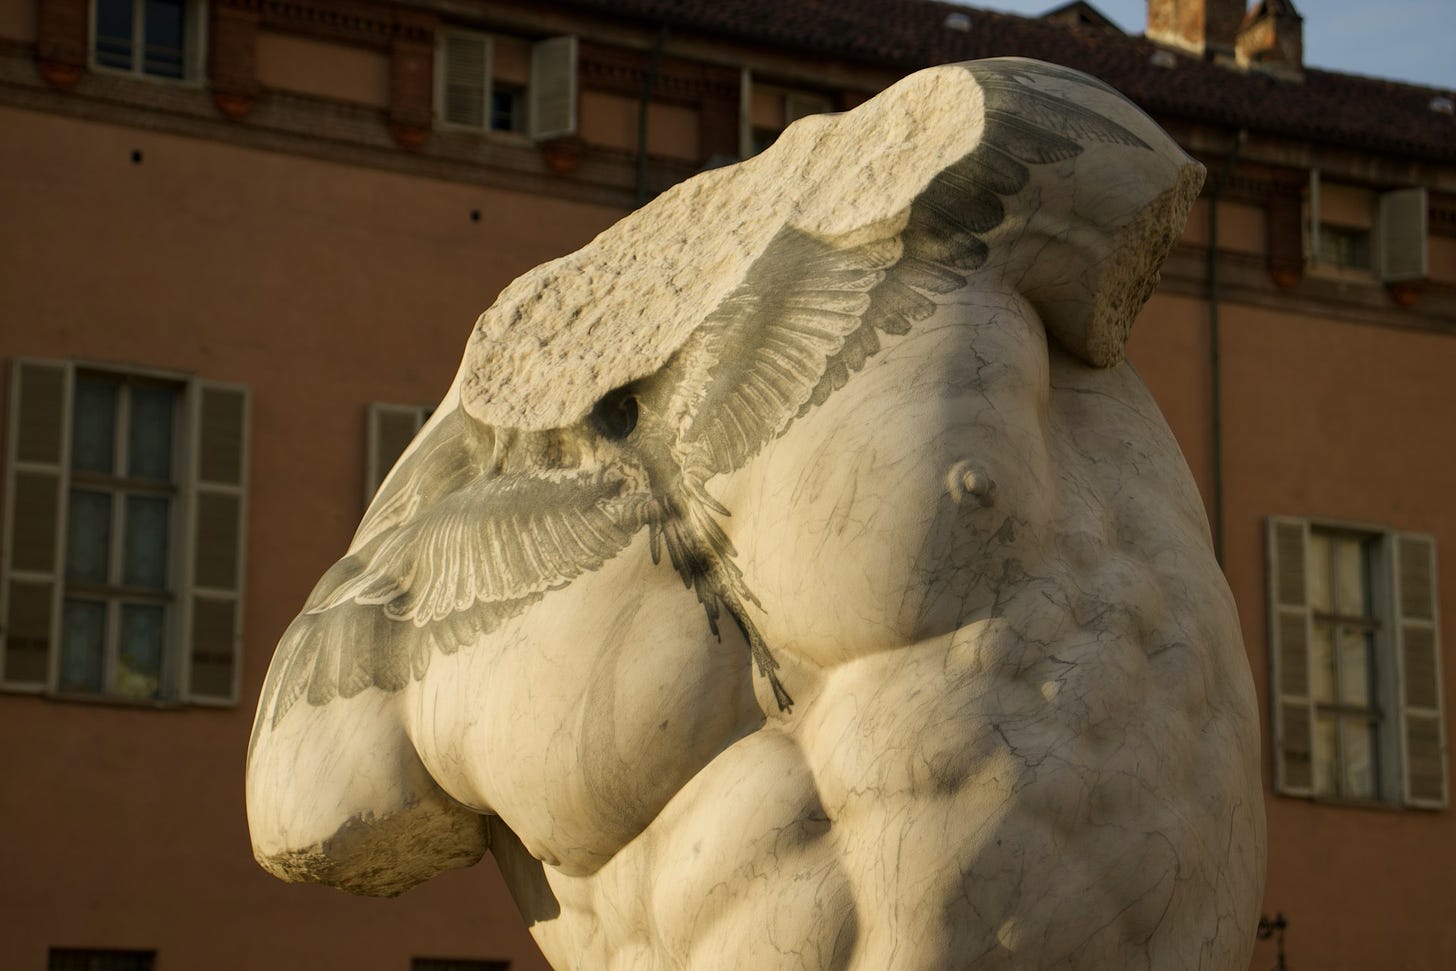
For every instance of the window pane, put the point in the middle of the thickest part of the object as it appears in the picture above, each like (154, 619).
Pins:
(505, 111)
(149, 439)
(1326, 754)
(93, 426)
(145, 561)
(73, 959)
(1345, 246)
(113, 33)
(1358, 738)
(1322, 658)
(88, 537)
(164, 38)
(143, 629)
(1350, 596)
(83, 636)
(1356, 676)
(1319, 572)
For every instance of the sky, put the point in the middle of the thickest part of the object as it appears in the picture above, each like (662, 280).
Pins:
(1405, 40)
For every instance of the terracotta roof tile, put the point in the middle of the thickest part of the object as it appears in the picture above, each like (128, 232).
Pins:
(905, 35)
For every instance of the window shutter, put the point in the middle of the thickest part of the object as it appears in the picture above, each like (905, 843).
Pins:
(463, 97)
(217, 518)
(390, 430)
(552, 105)
(1401, 223)
(1289, 637)
(1311, 228)
(1418, 661)
(32, 558)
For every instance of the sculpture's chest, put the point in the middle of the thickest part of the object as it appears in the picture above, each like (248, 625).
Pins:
(578, 721)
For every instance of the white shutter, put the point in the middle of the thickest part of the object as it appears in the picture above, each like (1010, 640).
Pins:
(1401, 224)
(1289, 647)
(1312, 223)
(32, 557)
(1418, 661)
(462, 81)
(552, 104)
(389, 430)
(211, 594)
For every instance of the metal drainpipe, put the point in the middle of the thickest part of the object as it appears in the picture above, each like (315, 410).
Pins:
(647, 88)
(1215, 359)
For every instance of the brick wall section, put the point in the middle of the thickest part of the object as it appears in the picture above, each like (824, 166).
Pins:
(233, 55)
(1285, 224)
(61, 41)
(412, 76)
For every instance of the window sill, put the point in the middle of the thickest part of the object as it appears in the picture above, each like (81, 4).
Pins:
(1342, 274)
(113, 701)
(512, 137)
(1336, 802)
(190, 83)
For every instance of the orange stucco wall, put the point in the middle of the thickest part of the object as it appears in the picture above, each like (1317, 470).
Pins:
(1351, 422)
(306, 66)
(323, 288)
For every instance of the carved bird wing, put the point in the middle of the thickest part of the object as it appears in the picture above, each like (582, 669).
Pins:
(810, 311)
(474, 527)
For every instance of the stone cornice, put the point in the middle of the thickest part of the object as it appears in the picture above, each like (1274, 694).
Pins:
(681, 82)
(363, 23)
(359, 135)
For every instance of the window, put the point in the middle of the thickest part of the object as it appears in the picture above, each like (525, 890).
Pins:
(504, 84)
(123, 525)
(768, 109)
(155, 38)
(1356, 664)
(1376, 234)
(76, 959)
(390, 429)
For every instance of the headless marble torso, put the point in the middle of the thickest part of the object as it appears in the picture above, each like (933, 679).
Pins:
(1014, 715)
(1024, 732)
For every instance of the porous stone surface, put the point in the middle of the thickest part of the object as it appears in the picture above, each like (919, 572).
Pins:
(795, 577)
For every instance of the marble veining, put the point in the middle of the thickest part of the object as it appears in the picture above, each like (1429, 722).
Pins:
(796, 577)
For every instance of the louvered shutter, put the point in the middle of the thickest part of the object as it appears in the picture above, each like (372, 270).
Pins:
(390, 430)
(32, 558)
(552, 104)
(1289, 638)
(463, 96)
(1401, 223)
(1418, 660)
(217, 517)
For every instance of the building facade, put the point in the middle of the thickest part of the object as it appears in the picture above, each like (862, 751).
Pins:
(244, 244)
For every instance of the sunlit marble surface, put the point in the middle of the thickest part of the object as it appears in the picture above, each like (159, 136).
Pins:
(795, 577)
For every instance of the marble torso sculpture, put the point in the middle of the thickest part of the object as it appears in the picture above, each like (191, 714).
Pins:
(794, 577)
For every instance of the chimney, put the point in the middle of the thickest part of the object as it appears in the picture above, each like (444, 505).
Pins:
(1271, 40)
(1207, 27)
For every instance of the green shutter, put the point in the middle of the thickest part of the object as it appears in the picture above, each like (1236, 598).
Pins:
(462, 78)
(31, 557)
(551, 111)
(217, 519)
(1289, 637)
(1401, 227)
(1418, 659)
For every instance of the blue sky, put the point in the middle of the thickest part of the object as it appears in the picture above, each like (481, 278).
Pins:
(1406, 40)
